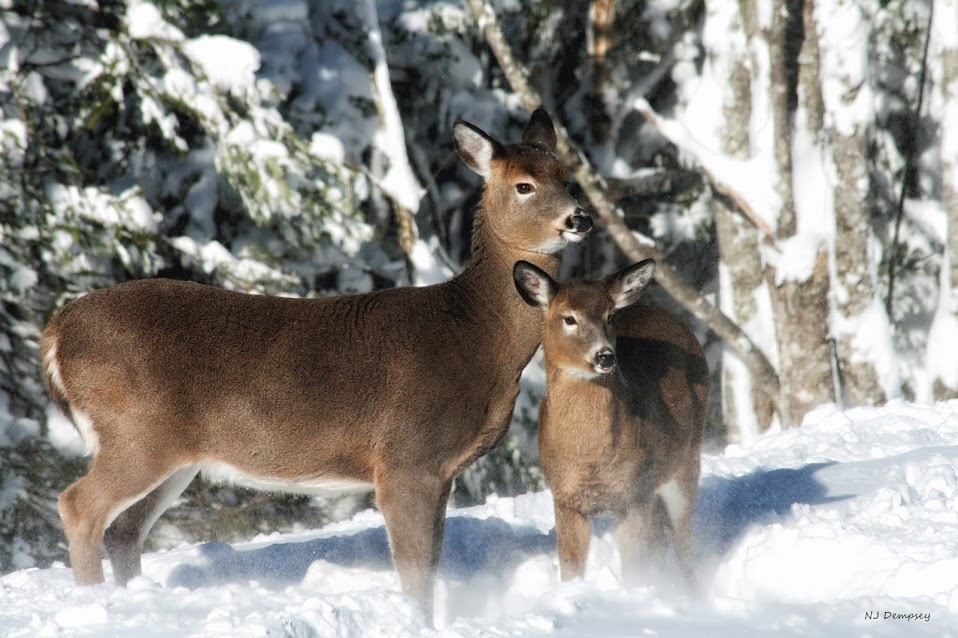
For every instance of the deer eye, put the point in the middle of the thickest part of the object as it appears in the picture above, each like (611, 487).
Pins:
(609, 318)
(524, 188)
(569, 321)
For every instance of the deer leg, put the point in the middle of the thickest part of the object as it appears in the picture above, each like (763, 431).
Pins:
(654, 542)
(678, 497)
(640, 537)
(89, 505)
(124, 537)
(573, 535)
(414, 507)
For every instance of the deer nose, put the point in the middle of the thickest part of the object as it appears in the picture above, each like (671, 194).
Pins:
(579, 221)
(605, 360)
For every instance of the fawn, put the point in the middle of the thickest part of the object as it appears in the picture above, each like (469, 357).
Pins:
(621, 423)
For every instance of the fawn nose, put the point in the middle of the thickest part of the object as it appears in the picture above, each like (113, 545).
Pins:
(605, 360)
(579, 221)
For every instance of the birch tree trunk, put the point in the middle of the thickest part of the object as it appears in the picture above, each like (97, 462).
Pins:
(799, 295)
(814, 212)
(940, 362)
(860, 322)
(746, 412)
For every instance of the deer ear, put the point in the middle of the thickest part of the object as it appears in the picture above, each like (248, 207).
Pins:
(539, 131)
(476, 148)
(536, 287)
(626, 286)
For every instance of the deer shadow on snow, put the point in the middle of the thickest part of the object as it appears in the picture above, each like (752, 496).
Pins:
(471, 546)
(492, 548)
(728, 507)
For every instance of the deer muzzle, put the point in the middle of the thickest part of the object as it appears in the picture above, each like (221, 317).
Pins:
(604, 361)
(579, 222)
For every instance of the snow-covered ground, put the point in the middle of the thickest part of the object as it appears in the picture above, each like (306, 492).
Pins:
(847, 526)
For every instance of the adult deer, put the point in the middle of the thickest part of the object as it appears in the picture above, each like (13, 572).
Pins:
(398, 390)
(621, 423)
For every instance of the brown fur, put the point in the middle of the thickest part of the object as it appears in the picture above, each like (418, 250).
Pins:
(608, 443)
(399, 388)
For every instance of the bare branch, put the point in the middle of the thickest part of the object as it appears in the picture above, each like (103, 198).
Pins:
(654, 183)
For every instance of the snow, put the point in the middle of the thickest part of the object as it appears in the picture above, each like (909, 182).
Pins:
(793, 258)
(127, 209)
(847, 526)
(229, 64)
(943, 334)
(143, 21)
(843, 30)
(62, 435)
(239, 272)
(871, 343)
(428, 269)
(13, 140)
(945, 30)
(327, 147)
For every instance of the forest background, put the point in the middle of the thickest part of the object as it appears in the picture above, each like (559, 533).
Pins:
(789, 163)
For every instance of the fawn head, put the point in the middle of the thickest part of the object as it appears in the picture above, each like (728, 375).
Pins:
(578, 337)
(525, 200)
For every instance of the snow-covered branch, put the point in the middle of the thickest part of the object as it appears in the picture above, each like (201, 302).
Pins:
(733, 178)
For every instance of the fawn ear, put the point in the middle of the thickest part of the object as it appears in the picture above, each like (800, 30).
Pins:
(536, 287)
(626, 286)
(476, 148)
(539, 130)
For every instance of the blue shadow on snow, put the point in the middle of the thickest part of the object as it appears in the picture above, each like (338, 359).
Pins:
(470, 546)
(726, 508)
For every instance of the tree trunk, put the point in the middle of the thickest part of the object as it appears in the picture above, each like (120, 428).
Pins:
(746, 412)
(601, 30)
(861, 323)
(856, 298)
(799, 300)
(943, 335)
(602, 26)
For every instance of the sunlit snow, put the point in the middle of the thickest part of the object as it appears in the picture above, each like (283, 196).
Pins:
(828, 530)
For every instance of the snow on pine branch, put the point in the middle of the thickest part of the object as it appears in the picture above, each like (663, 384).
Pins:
(290, 184)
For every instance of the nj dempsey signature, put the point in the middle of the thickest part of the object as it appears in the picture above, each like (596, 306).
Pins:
(892, 615)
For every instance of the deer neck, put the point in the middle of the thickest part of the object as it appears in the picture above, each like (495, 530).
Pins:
(593, 401)
(596, 389)
(487, 282)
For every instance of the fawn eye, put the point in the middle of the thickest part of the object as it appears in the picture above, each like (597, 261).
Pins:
(569, 321)
(609, 318)
(524, 188)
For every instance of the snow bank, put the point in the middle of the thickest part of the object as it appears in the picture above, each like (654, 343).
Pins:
(847, 526)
